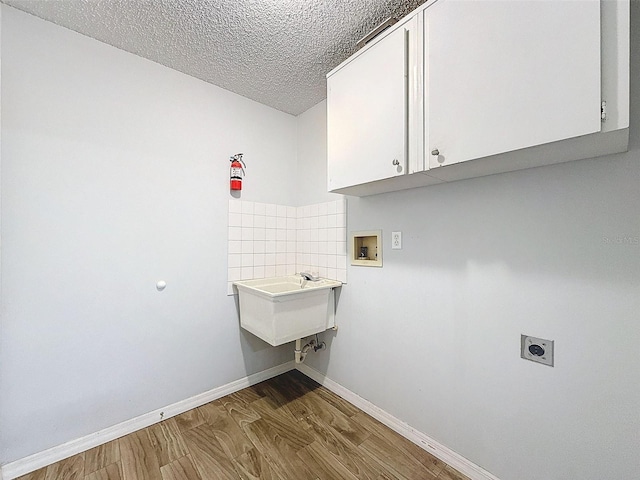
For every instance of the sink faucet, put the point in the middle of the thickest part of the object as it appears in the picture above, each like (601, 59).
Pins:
(308, 276)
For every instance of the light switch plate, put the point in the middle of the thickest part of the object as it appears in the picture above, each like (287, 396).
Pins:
(536, 349)
(396, 240)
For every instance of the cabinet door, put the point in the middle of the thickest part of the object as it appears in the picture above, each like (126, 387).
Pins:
(506, 75)
(367, 114)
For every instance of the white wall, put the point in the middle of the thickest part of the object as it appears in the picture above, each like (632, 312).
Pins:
(551, 252)
(114, 176)
(312, 156)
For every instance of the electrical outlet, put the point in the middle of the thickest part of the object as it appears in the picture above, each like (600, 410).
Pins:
(396, 240)
(536, 349)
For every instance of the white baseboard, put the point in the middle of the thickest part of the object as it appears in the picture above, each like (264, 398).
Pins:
(455, 460)
(60, 452)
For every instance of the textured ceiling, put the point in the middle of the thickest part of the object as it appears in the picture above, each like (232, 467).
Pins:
(276, 52)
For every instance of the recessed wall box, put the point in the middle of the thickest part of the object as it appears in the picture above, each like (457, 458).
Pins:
(366, 248)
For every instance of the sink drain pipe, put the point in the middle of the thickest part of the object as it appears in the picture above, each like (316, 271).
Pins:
(301, 352)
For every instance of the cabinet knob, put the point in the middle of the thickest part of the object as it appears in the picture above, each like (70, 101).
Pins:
(396, 161)
(435, 151)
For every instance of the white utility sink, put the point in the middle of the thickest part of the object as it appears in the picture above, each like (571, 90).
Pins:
(282, 309)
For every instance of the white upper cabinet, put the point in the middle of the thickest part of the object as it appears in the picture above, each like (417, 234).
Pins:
(506, 75)
(367, 105)
(466, 88)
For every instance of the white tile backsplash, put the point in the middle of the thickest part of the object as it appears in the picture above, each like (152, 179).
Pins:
(267, 240)
(247, 259)
(235, 260)
(260, 221)
(235, 273)
(271, 210)
(235, 246)
(235, 206)
(270, 222)
(235, 219)
(247, 246)
(259, 234)
(235, 233)
(259, 209)
(258, 271)
(247, 220)
(247, 207)
(247, 233)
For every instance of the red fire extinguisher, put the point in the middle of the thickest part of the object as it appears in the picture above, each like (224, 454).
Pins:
(237, 171)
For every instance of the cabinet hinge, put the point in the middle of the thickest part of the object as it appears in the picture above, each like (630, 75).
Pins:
(603, 111)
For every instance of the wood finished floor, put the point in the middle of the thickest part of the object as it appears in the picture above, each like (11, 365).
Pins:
(286, 428)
